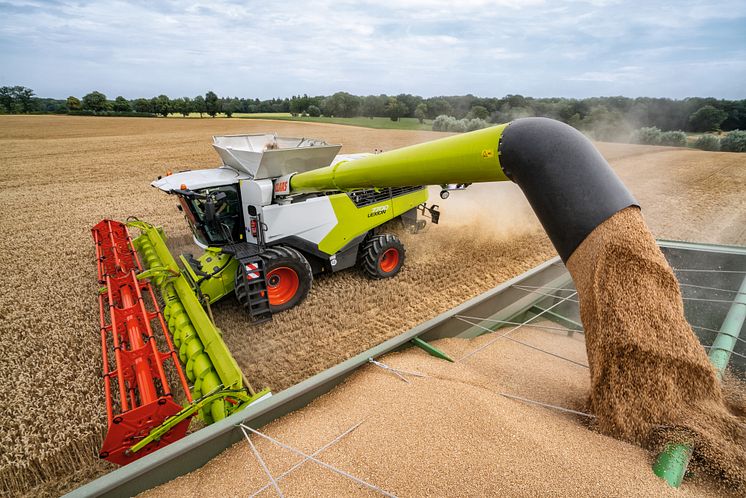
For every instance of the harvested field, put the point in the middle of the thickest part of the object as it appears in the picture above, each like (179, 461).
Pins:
(63, 174)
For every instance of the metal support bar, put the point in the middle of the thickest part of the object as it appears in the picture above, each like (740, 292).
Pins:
(729, 332)
(553, 316)
(431, 350)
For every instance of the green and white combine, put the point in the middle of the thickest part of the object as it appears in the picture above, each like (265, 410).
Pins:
(264, 243)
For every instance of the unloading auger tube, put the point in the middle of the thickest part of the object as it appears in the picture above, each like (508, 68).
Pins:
(570, 186)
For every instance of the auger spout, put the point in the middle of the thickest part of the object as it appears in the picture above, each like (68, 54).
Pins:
(568, 183)
(466, 158)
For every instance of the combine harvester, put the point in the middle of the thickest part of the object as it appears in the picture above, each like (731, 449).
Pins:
(277, 212)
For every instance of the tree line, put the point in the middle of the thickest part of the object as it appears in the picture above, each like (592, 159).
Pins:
(604, 117)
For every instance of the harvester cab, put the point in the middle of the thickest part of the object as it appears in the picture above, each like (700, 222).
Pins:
(212, 214)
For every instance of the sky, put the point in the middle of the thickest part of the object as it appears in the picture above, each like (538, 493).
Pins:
(539, 48)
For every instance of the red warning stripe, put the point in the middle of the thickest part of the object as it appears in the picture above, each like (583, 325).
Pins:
(251, 273)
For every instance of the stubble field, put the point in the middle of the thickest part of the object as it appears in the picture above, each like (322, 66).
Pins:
(61, 175)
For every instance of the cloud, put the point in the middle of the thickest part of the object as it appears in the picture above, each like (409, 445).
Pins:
(619, 74)
(428, 47)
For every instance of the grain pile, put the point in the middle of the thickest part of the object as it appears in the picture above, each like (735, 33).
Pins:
(448, 434)
(647, 366)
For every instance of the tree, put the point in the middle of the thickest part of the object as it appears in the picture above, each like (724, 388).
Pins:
(295, 106)
(395, 109)
(479, 112)
(6, 98)
(314, 111)
(439, 106)
(516, 101)
(299, 105)
(736, 115)
(142, 105)
(707, 118)
(229, 106)
(409, 103)
(182, 105)
(23, 96)
(212, 106)
(187, 108)
(199, 105)
(94, 101)
(16, 98)
(341, 104)
(121, 104)
(279, 105)
(73, 103)
(421, 112)
(161, 105)
(373, 105)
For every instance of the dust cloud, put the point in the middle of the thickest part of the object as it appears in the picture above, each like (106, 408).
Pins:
(498, 210)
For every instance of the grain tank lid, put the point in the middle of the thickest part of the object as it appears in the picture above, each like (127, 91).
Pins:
(200, 178)
(270, 156)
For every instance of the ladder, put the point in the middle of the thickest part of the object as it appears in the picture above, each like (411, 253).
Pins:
(256, 289)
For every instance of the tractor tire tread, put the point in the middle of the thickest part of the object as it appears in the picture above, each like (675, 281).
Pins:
(372, 250)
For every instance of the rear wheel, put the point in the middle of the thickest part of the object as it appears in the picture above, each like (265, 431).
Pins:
(382, 256)
(288, 277)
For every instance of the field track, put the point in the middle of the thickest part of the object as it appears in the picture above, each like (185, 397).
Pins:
(61, 175)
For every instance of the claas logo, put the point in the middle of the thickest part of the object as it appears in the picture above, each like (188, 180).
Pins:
(281, 186)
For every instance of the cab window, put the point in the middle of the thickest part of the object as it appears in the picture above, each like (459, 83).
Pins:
(226, 226)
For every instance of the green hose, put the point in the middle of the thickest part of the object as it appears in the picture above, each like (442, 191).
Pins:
(672, 463)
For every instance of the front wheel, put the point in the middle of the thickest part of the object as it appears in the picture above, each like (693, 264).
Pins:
(288, 276)
(288, 279)
(382, 256)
